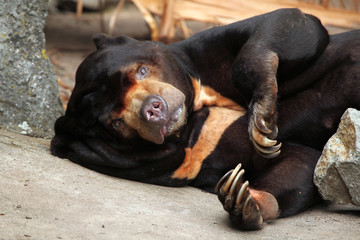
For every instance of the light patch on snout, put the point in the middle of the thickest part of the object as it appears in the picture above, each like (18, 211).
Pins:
(134, 99)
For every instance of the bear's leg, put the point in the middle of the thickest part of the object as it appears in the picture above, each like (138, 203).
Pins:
(284, 187)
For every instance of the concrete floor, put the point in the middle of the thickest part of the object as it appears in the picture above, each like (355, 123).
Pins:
(44, 197)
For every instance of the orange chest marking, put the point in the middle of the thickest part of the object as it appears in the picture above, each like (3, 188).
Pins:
(205, 95)
(218, 121)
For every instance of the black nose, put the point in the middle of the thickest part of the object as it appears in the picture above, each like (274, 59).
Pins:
(154, 109)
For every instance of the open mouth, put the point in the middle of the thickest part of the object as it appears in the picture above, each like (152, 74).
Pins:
(162, 116)
(156, 116)
(171, 123)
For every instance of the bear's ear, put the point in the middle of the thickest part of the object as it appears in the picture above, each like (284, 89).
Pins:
(102, 40)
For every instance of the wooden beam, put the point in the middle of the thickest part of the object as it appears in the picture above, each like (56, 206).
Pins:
(223, 12)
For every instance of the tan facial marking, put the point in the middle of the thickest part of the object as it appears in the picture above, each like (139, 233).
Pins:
(218, 121)
(135, 96)
(205, 95)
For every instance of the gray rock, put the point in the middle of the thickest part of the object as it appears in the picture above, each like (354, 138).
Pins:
(337, 174)
(29, 98)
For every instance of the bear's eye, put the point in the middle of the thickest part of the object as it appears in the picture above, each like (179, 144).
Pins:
(117, 123)
(143, 71)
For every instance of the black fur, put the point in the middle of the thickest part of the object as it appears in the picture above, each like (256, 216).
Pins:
(317, 78)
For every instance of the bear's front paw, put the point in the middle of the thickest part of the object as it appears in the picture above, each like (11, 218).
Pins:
(263, 136)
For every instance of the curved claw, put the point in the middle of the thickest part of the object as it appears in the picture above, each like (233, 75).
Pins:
(234, 184)
(270, 152)
(261, 139)
(267, 150)
(238, 202)
(221, 181)
(231, 178)
(273, 155)
(261, 125)
(248, 201)
(241, 192)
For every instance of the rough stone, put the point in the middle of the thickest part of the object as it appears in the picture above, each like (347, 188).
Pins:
(337, 174)
(29, 98)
